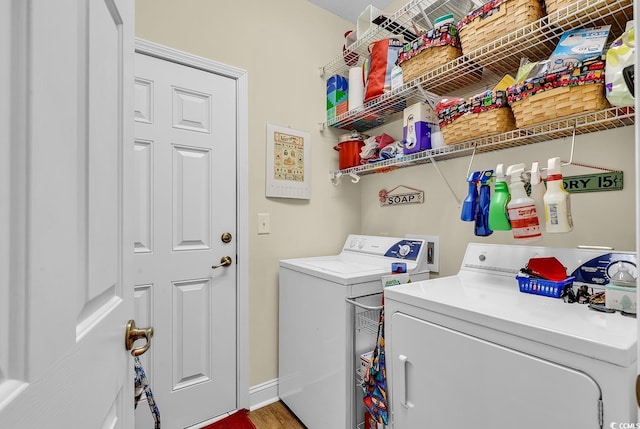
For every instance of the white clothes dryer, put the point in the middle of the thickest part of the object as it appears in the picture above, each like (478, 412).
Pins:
(471, 350)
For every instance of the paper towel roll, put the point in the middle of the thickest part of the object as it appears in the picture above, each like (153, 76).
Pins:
(356, 87)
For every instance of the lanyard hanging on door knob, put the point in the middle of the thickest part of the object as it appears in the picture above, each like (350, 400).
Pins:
(141, 383)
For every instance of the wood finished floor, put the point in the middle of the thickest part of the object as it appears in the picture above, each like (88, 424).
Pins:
(275, 416)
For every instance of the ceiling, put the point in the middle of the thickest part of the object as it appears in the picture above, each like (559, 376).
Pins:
(350, 9)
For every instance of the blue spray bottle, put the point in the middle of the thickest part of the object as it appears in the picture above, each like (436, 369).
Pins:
(471, 201)
(482, 209)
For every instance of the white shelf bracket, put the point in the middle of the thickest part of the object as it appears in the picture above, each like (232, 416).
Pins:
(334, 176)
(453, 193)
(473, 154)
(426, 18)
(573, 146)
(428, 97)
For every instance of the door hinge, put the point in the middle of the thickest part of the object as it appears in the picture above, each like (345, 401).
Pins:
(601, 412)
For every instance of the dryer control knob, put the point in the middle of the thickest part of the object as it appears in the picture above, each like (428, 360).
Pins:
(404, 249)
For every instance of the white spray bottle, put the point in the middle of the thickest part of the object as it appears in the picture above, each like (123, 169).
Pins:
(557, 201)
(537, 193)
(522, 210)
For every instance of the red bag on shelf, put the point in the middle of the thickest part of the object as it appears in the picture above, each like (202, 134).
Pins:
(384, 55)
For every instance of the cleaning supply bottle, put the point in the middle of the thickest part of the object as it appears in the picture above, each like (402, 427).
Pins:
(537, 193)
(498, 220)
(471, 201)
(481, 228)
(557, 203)
(521, 208)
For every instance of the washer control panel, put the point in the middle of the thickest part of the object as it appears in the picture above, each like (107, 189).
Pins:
(410, 249)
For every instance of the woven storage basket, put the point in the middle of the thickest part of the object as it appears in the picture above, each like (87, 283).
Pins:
(555, 5)
(428, 59)
(622, 12)
(559, 103)
(510, 16)
(476, 125)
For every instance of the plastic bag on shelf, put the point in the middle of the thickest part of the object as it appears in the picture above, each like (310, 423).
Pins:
(384, 55)
(619, 70)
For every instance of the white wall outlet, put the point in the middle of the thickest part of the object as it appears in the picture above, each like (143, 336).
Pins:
(264, 223)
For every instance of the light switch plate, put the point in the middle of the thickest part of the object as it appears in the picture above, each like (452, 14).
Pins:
(264, 223)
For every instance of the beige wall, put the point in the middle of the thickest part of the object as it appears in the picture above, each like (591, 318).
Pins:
(601, 218)
(281, 44)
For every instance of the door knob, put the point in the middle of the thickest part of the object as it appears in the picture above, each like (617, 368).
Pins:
(225, 261)
(132, 334)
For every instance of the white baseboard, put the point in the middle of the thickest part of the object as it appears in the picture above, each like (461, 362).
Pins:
(260, 396)
(263, 394)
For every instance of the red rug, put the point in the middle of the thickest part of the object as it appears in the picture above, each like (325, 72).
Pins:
(237, 420)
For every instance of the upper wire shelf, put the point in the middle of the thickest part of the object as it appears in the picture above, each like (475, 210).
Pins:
(477, 70)
(583, 124)
(415, 17)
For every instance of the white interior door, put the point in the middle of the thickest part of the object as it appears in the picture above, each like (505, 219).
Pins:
(65, 293)
(185, 179)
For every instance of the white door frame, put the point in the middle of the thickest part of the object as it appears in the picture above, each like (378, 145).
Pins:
(242, 177)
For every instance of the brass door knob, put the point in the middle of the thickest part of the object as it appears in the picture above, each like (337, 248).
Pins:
(225, 261)
(132, 334)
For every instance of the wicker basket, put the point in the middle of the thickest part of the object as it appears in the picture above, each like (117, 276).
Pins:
(559, 103)
(622, 12)
(476, 125)
(428, 59)
(510, 16)
(555, 5)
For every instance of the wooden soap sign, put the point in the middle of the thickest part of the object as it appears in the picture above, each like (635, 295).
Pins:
(400, 195)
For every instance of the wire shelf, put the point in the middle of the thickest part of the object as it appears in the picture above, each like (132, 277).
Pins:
(477, 70)
(415, 17)
(587, 123)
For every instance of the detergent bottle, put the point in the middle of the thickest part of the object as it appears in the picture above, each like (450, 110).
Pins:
(522, 209)
(557, 203)
(481, 227)
(498, 219)
(537, 193)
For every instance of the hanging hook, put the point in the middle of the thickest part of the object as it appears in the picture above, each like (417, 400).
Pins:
(335, 178)
(354, 177)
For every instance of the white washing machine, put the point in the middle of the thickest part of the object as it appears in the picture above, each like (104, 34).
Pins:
(316, 323)
(471, 350)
